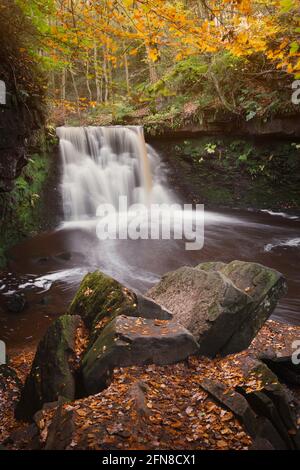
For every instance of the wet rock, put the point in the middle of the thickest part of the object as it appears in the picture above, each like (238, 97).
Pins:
(128, 341)
(224, 306)
(101, 298)
(59, 257)
(42, 259)
(16, 303)
(52, 372)
(46, 300)
(65, 256)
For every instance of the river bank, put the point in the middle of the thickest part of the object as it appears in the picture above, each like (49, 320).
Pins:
(247, 400)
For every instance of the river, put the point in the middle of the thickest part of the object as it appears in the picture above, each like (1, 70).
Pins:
(99, 165)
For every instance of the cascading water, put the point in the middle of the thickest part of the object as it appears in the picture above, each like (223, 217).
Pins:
(100, 164)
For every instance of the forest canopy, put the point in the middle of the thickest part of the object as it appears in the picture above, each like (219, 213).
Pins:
(161, 53)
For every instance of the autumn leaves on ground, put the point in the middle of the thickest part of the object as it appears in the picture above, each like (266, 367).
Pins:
(150, 407)
(118, 371)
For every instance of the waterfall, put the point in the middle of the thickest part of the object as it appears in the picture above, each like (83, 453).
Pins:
(100, 164)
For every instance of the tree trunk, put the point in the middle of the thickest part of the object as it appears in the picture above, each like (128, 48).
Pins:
(88, 80)
(75, 90)
(152, 69)
(105, 74)
(63, 84)
(126, 73)
(98, 89)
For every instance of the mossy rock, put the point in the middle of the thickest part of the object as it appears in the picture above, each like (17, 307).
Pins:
(52, 376)
(206, 303)
(101, 298)
(223, 305)
(263, 285)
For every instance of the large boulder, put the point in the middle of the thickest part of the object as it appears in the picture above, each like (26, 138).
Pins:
(224, 306)
(52, 376)
(264, 285)
(128, 341)
(101, 298)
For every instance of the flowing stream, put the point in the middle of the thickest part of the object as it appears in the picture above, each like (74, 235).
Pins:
(100, 164)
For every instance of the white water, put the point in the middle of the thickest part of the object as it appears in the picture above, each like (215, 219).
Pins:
(291, 243)
(100, 164)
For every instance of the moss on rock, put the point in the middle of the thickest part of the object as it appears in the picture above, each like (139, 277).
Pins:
(100, 299)
(52, 373)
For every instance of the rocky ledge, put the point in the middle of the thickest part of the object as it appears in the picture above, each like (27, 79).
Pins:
(198, 366)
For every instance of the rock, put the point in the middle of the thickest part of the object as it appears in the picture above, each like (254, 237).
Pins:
(272, 401)
(265, 286)
(137, 392)
(101, 298)
(273, 389)
(52, 372)
(255, 421)
(59, 257)
(206, 303)
(46, 300)
(267, 432)
(147, 308)
(61, 430)
(16, 303)
(261, 444)
(64, 256)
(25, 438)
(128, 341)
(224, 306)
(283, 367)
(264, 406)
(235, 402)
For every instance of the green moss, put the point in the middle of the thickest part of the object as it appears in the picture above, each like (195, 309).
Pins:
(213, 312)
(230, 172)
(101, 297)
(211, 266)
(262, 373)
(21, 208)
(52, 374)
(102, 347)
(219, 196)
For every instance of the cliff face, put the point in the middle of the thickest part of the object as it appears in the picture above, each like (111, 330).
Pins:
(17, 126)
(22, 93)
